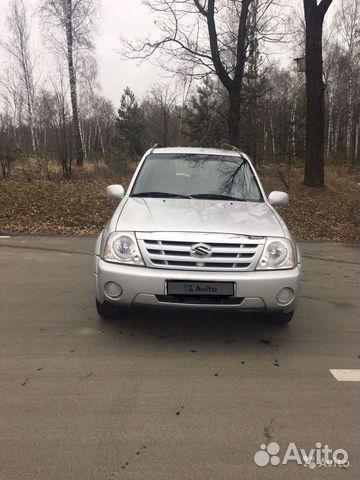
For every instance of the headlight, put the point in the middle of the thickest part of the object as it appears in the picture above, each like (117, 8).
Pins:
(277, 253)
(122, 247)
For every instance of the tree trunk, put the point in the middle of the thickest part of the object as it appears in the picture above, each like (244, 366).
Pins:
(315, 88)
(100, 137)
(273, 139)
(30, 110)
(356, 146)
(78, 140)
(336, 135)
(349, 123)
(234, 118)
(265, 137)
(330, 124)
(314, 159)
(293, 133)
(165, 132)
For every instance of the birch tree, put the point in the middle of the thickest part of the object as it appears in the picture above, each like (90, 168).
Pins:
(21, 64)
(348, 25)
(73, 20)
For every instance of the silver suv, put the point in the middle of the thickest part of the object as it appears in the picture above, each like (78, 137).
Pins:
(196, 230)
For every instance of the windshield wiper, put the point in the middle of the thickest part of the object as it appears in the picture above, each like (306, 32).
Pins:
(159, 195)
(217, 196)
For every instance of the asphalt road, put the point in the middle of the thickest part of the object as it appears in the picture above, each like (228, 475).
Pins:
(164, 395)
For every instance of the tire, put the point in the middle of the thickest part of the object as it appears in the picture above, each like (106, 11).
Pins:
(108, 311)
(281, 318)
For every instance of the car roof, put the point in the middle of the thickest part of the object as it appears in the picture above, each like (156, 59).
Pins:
(198, 151)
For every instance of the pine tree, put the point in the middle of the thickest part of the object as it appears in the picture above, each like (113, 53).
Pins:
(129, 126)
(205, 126)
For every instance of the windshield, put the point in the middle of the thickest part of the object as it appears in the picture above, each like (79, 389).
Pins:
(197, 176)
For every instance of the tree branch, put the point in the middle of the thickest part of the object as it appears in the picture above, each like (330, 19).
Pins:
(201, 9)
(323, 6)
(214, 47)
(240, 49)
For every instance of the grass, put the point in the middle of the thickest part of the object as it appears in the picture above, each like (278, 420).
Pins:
(79, 206)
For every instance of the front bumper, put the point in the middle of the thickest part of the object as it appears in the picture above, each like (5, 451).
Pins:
(147, 286)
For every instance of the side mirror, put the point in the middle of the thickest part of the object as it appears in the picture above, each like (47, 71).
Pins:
(278, 198)
(115, 192)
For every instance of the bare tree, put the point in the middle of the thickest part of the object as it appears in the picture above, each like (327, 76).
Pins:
(348, 24)
(8, 148)
(22, 62)
(74, 20)
(161, 106)
(10, 94)
(212, 35)
(315, 87)
(97, 112)
(182, 41)
(184, 83)
(58, 110)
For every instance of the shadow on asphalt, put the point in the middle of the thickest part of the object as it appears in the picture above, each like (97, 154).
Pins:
(216, 328)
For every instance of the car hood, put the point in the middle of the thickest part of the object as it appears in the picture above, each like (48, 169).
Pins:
(193, 215)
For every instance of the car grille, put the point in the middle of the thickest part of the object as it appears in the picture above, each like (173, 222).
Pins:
(195, 300)
(172, 250)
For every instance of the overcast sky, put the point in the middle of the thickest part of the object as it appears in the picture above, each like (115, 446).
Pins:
(130, 18)
(127, 17)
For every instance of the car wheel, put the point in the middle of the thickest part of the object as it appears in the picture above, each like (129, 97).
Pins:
(281, 318)
(107, 310)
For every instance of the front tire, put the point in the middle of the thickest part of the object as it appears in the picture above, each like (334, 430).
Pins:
(280, 317)
(108, 311)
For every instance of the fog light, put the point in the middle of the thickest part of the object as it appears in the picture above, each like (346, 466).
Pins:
(285, 296)
(113, 289)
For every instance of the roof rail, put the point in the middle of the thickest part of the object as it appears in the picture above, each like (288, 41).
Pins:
(227, 146)
(153, 147)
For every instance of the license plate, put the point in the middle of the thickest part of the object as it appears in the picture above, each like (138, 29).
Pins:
(200, 288)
